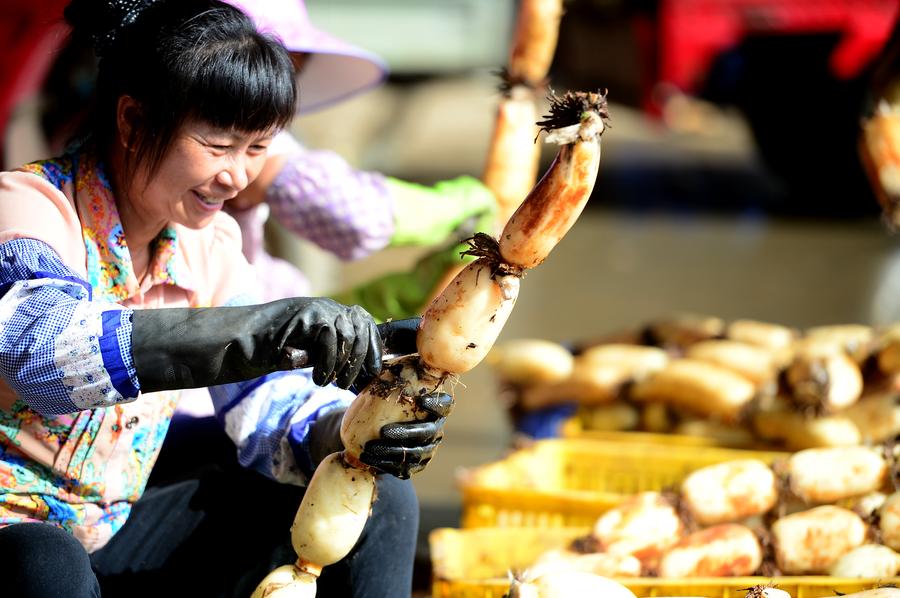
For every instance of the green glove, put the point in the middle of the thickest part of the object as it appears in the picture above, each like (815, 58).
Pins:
(403, 294)
(428, 215)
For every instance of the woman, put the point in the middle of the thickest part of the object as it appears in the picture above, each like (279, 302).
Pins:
(350, 213)
(92, 244)
(316, 194)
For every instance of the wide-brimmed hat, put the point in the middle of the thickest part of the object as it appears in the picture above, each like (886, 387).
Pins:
(334, 70)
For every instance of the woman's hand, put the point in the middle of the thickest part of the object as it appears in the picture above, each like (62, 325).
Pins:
(406, 448)
(341, 340)
(429, 215)
(199, 347)
(403, 449)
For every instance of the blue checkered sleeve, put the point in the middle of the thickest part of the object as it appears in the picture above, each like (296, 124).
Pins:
(269, 418)
(60, 351)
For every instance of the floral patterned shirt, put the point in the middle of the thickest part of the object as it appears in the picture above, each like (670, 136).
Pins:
(77, 438)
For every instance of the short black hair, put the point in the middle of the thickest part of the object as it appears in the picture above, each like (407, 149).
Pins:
(181, 60)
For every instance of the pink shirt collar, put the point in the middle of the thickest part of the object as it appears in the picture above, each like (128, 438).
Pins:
(109, 266)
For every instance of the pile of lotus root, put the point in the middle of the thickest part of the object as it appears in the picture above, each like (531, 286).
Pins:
(742, 383)
(827, 511)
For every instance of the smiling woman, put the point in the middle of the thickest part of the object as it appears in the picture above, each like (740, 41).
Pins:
(92, 244)
(203, 167)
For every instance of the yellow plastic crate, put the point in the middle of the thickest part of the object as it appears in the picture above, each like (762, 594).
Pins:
(571, 482)
(707, 587)
(574, 428)
(474, 563)
(490, 552)
(577, 427)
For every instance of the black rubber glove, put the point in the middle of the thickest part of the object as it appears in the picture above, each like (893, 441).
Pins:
(398, 338)
(406, 448)
(198, 347)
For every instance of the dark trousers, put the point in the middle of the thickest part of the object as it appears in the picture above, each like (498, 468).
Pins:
(217, 534)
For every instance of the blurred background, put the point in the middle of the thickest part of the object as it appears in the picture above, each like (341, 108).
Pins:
(730, 183)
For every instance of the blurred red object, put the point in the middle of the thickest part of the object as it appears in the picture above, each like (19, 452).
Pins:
(691, 33)
(30, 35)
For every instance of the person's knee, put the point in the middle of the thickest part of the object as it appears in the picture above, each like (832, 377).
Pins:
(389, 539)
(396, 508)
(39, 559)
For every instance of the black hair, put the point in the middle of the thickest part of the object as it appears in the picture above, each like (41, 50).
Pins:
(180, 60)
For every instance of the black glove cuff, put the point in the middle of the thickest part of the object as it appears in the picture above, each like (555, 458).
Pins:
(175, 348)
(399, 336)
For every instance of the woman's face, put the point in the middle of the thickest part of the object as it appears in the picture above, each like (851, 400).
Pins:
(204, 167)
